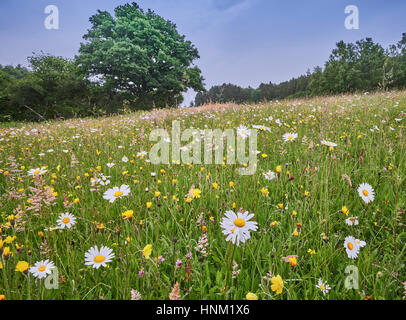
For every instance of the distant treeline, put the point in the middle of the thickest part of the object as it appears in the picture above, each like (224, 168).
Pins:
(351, 67)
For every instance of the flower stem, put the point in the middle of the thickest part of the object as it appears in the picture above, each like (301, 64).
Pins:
(229, 260)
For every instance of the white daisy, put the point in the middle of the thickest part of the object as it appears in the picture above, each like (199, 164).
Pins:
(351, 246)
(269, 175)
(352, 221)
(141, 154)
(37, 172)
(42, 268)
(360, 243)
(124, 159)
(104, 182)
(323, 286)
(366, 192)
(96, 258)
(237, 226)
(243, 131)
(66, 220)
(116, 192)
(261, 128)
(328, 143)
(289, 136)
(110, 164)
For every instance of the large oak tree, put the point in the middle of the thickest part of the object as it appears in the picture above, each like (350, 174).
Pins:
(140, 53)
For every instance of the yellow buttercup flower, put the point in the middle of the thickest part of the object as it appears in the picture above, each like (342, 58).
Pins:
(22, 266)
(196, 193)
(310, 251)
(147, 251)
(129, 214)
(264, 191)
(293, 261)
(251, 296)
(277, 284)
(6, 252)
(9, 239)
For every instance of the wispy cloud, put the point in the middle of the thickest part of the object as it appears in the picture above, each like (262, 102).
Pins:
(226, 4)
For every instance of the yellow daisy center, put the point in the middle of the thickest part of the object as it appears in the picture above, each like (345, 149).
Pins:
(65, 220)
(290, 137)
(322, 287)
(365, 193)
(118, 194)
(99, 258)
(42, 268)
(350, 246)
(239, 222)
(37, 171)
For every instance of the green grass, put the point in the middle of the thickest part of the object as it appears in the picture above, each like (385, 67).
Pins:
(361, 154)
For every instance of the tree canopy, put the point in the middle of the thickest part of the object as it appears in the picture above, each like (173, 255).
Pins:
(140, 53)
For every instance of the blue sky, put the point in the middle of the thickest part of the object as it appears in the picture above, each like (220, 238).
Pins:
(244, 42)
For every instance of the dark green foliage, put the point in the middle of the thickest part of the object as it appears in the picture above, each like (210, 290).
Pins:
(395, 66)
(297, 87)
(52, 88)
(135, 59)
(354, 67)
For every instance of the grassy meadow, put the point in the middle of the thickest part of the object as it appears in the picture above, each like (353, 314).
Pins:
(165, 231)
